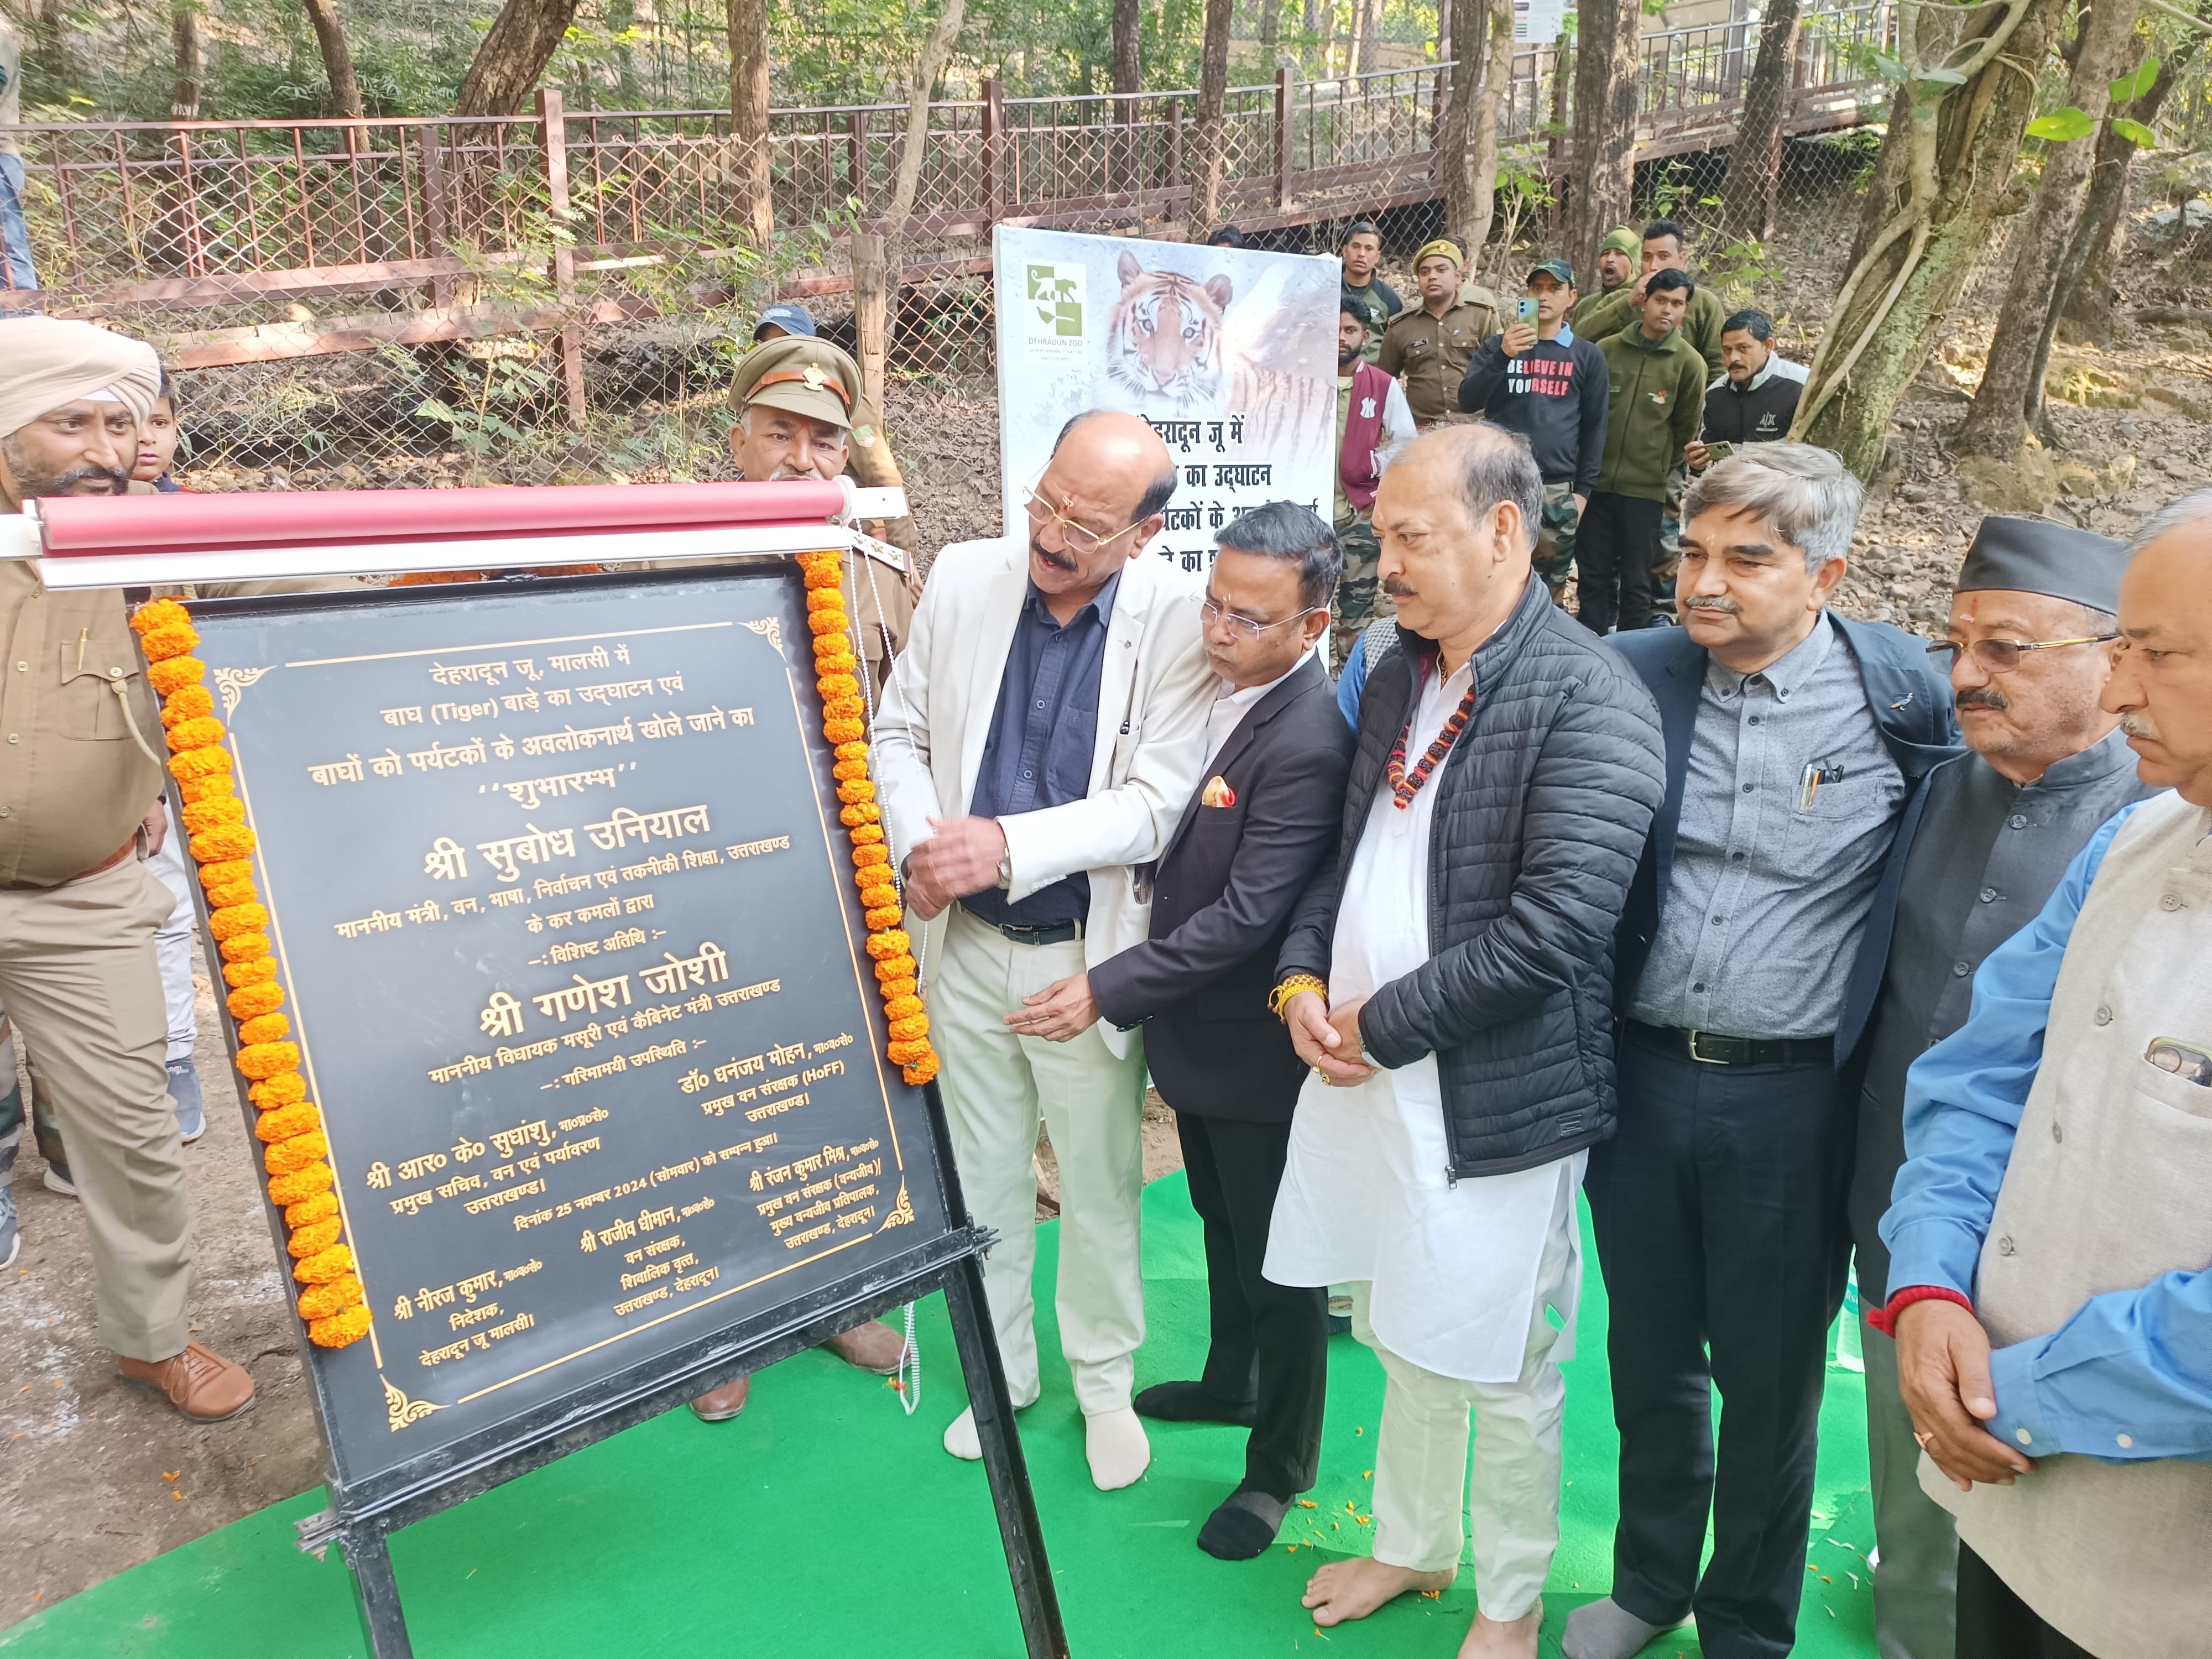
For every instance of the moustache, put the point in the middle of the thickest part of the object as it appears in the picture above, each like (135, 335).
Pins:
(1060, 561)
(1722, 607)
(2139, 726)
(1398, 588)
(116, 477)
(1983, 698)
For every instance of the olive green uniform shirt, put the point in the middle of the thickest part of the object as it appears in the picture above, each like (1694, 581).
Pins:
(1701, 326)
(73, 785)
(1429, 354)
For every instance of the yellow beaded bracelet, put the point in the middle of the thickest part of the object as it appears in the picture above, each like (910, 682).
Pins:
(1290, 988)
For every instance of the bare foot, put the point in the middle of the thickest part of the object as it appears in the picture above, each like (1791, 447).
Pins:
(1488, 1639)
(1344, 1590)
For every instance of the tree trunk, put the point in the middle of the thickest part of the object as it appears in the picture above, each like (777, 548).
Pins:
(1555, 149)
(2006, 397)
(1604, 124)
(1755, 162)
(1925, 221)
(191, 60)
(748, 99)
(1270, 27)
(1362, 36)
(521, 41)
(1497, 71)
(2087, 301)
(1455, 132)
(879, 260)
(1204, 163)
(338, 61)
(1129, 18)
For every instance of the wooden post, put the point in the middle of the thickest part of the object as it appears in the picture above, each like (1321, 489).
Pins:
(994, 151)
(1175, 142)
(437, 230)
(871, 301)
(857, 161)
(554, 132)
(1285, 88)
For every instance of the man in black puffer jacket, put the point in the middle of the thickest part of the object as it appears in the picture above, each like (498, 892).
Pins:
(1448, 977)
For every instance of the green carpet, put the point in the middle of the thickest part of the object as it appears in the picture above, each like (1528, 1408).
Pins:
(826, 1521)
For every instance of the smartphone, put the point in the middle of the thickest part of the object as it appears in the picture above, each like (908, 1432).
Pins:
(1524, 311)
(1716, 453)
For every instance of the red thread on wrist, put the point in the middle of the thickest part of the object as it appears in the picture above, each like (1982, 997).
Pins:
(1884, 1318)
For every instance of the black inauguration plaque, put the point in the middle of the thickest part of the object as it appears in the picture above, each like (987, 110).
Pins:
(576, 965)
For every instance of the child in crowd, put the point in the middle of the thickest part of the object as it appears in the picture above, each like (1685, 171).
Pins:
(158, 437)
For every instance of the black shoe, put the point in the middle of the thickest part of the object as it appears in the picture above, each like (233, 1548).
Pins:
(1190, 1402)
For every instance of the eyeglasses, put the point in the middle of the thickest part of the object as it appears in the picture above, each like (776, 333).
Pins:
(1243, 627)
(1079, 539)
(2003, 656)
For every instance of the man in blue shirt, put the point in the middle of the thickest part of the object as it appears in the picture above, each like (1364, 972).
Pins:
(2048, 1234)
(1035, 749)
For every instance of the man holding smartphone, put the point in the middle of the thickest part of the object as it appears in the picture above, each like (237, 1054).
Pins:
(1543, 380)
(1755, 398)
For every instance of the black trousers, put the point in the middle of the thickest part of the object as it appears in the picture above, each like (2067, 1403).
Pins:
(1995, 1624)
(1615, 547)
(1719, 1213)
(1269, 1342)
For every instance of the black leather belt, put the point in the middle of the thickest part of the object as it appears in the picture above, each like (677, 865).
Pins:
(1712, 1049)
(1058, 933)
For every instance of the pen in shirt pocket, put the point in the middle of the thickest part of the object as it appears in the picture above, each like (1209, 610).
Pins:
(1810, 780)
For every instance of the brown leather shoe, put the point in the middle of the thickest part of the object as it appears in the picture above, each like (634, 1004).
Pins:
(721, 1405)
(203, 1385)
(871, 1344)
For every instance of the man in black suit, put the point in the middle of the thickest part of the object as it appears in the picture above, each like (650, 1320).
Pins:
(1264, 819)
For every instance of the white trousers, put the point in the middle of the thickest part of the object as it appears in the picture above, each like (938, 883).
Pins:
(996, 1087)
(1421, 1480)
(174, 945)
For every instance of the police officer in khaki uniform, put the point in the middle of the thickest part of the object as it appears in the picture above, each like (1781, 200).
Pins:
(795, 400)
(79, 801)
(1428, 349)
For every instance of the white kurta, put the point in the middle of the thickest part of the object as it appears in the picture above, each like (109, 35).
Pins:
(1365, 1194)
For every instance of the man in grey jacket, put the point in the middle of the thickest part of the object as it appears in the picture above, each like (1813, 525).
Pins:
(1448, 979)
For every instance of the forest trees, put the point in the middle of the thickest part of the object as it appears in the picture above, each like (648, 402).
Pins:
(1205, 164)
(338, 59)
(520, 42)
(1606, 60)
(748, 106)
(1754, 160)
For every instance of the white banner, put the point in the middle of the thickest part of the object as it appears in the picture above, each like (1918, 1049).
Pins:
(1538, 23)
(1230, 354)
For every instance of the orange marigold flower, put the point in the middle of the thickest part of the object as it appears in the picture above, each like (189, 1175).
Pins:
(883, 915)
(837, 685)
(858, 751)
(861, 811)
(224, 872)
(913, 1026)
(907, 1053)
(300, 1117)
(198, 764)
(240, 974)
(158, 613)
(870, 875)
(239, 892)
(324, 1264)
(869, 853)
(843, 708)
(819, 623)
(865, 834)
(174, 674)
(820, 572)
(206, 789)
(308, 1211)
(833, 655)
(290, 1190)
(891, 967)
(307, 1240)
(844, 771)
(244, 947)
(294, 1152)
(265, 1029)
(876, 897)
(284, 1089)
(187, 702)
(261, 1060)
(892, 989)
(340, 1330)
(321, 1301)
(233, 920)
(902, 1007)
(838, 731)
(855, 790)
(824, 597)
(201, 734)
(251, 1001)
(228, 841)
(177, 639)
(209, 814)
(922, 1071)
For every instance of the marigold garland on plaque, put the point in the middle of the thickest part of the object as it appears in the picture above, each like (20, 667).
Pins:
(294, 1153)
(837, 670)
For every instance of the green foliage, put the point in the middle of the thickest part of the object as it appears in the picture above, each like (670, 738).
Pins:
(2062, 127)
(2128, 88)
(2135, 132)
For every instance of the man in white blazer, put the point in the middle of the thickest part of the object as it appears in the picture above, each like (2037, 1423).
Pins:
(1037, 743)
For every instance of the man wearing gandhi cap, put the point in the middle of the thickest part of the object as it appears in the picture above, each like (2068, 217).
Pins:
(794, 398)
(1982, 845)
(79, 803)
(1428, 349)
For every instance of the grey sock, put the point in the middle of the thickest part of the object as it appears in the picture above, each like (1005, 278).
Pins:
(1606, 1630)
(1244, 1525)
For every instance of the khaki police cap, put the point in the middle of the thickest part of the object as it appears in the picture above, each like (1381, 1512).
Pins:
(808, 376)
